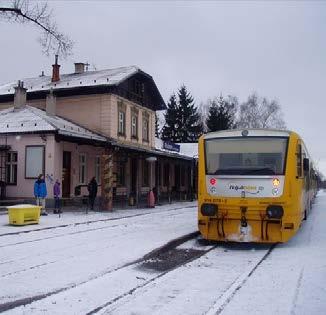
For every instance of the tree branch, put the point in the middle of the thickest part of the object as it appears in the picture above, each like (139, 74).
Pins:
(40, 16)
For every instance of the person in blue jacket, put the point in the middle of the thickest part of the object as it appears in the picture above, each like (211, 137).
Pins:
(40, 193)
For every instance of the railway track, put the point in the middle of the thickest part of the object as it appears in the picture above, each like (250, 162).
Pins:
(227, 296)
(148, 279)
(229, 292)
(9, 306)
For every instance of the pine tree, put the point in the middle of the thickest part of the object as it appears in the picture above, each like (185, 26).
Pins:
(182, 120)
(221, 115)
(189, 126)
(169, 131)
(212, 119)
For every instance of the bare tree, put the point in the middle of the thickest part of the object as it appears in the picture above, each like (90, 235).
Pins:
(259, 112)
(51, 39)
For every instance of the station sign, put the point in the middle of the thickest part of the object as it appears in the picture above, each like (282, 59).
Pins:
(168, 145)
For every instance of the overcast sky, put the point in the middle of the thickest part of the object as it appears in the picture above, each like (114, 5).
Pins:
(277, 49)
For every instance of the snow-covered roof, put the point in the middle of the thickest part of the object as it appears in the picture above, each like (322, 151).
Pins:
(72, 80)
(186, 149)
(189, 149)
(33, 120)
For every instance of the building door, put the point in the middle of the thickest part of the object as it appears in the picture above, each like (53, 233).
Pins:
(133, 179)
(66, 174)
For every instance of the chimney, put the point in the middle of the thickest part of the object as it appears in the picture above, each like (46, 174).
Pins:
(50, 104)
(20, 95)
(79, 67)
(55, 70)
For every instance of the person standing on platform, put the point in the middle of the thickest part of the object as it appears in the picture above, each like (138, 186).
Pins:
(92, 190)
(40, 193)
(56, 194)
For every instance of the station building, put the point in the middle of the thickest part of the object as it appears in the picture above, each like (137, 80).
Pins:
(75, 126)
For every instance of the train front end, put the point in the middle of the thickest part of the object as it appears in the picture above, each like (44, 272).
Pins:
(244, 190)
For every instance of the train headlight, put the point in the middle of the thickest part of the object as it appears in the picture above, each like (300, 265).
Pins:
(276, 182)
(208, 209)
(274, 212)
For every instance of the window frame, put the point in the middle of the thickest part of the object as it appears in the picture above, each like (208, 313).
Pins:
(299, 160)
(134, 116)
(145, 135)
(121, 123)
(43, 161)
(11, 165)
(251, 137)
(80, 167)
(122, 108)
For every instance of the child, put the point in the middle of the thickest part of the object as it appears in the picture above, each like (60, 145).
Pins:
(56, 194)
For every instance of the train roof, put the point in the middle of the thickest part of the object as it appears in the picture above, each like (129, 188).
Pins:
(249, 133)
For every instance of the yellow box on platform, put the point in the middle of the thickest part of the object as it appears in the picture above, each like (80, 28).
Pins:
(24, 214)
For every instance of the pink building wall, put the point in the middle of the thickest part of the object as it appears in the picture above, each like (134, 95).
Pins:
(53, 163)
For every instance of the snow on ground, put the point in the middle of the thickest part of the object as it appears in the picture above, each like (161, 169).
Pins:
(93, 261)
(40, 262)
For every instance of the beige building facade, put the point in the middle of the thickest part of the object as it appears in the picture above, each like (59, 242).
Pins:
(119, 105)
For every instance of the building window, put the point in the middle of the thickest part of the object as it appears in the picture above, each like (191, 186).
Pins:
(134, 126)
(34, 161)
(145, 173)
(121, 167)
(11, 168)
(145, 128)
(122, 123)
(138, 88)
(121, 118)
(82, 168)
(98, 169)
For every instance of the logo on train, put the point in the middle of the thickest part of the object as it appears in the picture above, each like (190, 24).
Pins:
(248, 188)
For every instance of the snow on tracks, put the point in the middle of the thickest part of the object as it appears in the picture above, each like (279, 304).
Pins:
(119, 282)
(35, 269)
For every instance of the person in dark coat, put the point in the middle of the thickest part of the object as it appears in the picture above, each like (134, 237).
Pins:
(40, 193)
(92, 192)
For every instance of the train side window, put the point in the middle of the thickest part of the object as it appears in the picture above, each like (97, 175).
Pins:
(299, 160)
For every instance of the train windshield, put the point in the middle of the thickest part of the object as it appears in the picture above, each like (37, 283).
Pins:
(246, 156)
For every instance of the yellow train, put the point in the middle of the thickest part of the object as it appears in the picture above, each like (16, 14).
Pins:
(254, 185)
